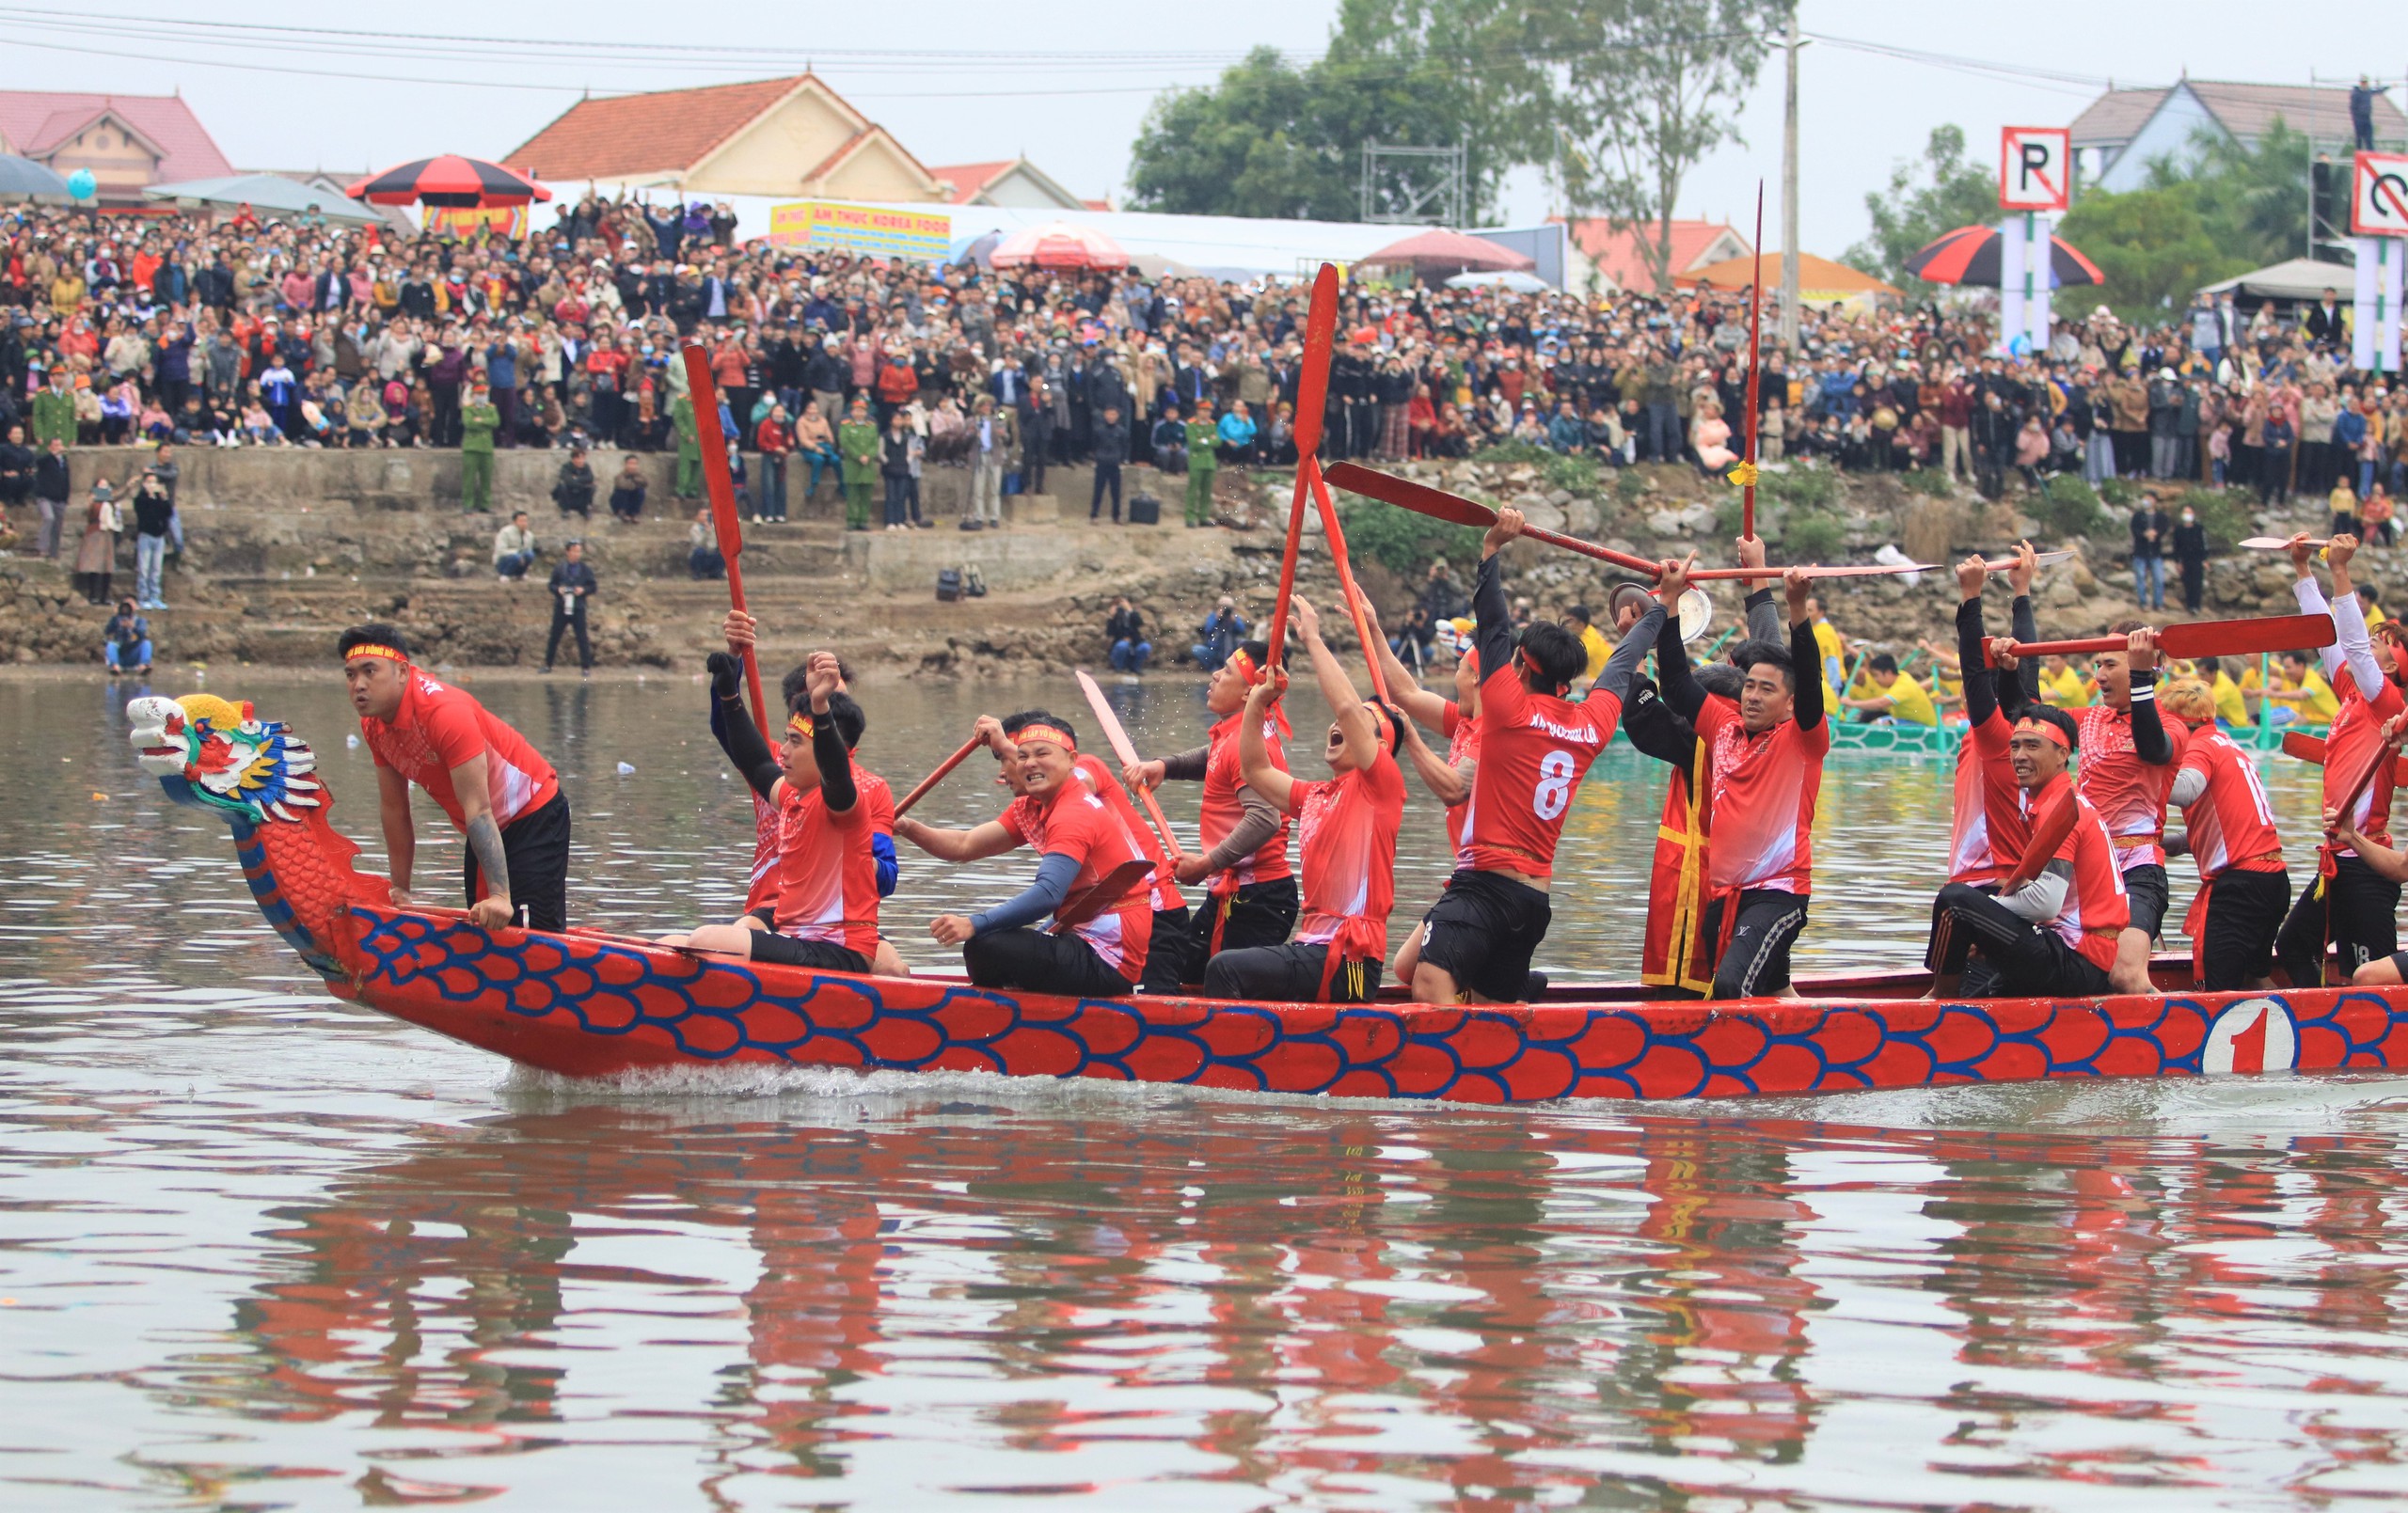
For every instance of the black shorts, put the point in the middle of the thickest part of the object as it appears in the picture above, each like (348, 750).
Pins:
(1261, 914)
(2146, 889)
(1482, 931)
(1290, 974)
(535, 848)
(2236, 943)
(1035, 961)
(793, 951)
(1165, 952)
(2357, 913)
(1755, 961)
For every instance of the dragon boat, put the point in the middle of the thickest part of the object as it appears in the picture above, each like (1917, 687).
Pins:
(1898, 739)
(588, 1003)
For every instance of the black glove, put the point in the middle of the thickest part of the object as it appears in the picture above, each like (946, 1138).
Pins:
(725, 672)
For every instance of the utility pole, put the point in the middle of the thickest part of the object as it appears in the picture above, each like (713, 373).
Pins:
(1789, 194)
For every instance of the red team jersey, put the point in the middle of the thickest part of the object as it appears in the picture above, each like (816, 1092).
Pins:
(437, 728)
(2128, 794)
(1463, 746)
(2096, 907)
(1533, 749)
(1989, 828)
(2356, 732)
(1223, 777)
(1101, 781)
(1765, 788)
(1080, 825)
(826, 872)
(1346, 834)
(2232, 825)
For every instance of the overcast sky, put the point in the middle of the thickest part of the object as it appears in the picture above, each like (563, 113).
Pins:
(962, 82)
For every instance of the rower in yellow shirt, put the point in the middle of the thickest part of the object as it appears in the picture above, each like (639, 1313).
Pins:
(1893, 694)
(2064, 686)
(2309, 698)
(2232, 706)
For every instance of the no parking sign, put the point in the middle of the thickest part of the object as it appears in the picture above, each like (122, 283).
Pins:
(2035, 169)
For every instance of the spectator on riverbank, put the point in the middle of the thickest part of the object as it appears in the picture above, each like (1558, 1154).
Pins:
(152, 510)
(703, 558)
(627, 491)
(572, 489)
(572, 586)
(125, 641)
(1125, 633)
(514, 549)
(52, 491)
(1222, 632)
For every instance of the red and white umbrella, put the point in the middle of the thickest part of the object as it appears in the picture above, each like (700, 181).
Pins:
(1059, 245)
(448, 180)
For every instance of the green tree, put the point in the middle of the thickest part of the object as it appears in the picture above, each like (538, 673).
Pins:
(2153, 245)
(1650, 87)
(1938, 193)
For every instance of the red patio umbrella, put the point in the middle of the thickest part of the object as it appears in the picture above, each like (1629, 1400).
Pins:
(1440, 250)
(1059, 245)
(448, 180)
(1970, 254)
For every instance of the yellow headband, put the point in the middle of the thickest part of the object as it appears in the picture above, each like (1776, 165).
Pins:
(372, 649)
(1045, 732)
(798, 725)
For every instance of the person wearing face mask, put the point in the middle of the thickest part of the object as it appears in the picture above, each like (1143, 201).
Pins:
(2191, 555)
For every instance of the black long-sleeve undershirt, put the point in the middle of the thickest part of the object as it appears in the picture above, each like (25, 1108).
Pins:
(751, 754)
(1492, 618)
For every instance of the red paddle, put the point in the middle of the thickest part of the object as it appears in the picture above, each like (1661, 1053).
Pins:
(1110, 889)
(2207, 637)
(1312, 391)
(928, 782)
(2310, 749)
(704, 395)
(1755, 367)
(1453, 508)
(1329, 528)
(1117, 737)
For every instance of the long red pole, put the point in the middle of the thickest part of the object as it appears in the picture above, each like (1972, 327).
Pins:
(704, 393)
(1313, 393)
(1755, 368)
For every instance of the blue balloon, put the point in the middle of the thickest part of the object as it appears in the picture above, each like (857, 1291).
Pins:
(82, 184)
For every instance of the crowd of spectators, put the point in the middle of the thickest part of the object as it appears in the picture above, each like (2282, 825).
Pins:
(248, 332)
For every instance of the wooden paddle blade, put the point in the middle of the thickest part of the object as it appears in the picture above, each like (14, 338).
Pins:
(1844, 569)
(1313, 377)
(2267, 544)
(2246, 637)
(1406, 494)
(1113, 735)
(1117, 883)
(2000, 565)
(2304, 745)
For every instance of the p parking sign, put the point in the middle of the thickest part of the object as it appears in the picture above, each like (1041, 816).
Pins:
(2035, 169)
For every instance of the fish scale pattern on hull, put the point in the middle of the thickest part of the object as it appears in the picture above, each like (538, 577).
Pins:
(588, 1004)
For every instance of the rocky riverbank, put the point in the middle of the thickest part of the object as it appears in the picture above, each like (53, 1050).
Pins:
(284, 548)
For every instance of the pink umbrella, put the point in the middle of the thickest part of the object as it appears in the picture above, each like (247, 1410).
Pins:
(1059, 245)
(1443, 251)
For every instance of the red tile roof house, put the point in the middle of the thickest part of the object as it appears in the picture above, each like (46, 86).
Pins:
(127, 141)
(1621, 266)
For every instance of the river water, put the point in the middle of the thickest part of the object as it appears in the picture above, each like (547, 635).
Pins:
(260, 1250)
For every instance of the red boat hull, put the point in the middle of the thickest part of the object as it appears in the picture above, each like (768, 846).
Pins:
(588, 1004)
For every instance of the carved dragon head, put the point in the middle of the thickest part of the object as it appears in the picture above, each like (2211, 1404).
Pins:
(213, 753)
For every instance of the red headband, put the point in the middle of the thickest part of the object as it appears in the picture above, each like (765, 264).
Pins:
(798, 725)
(372, 649)
(1244, 662)
(1054, 734)
(2042, 727)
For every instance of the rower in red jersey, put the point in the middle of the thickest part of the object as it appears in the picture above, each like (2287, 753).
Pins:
(1534, 747)
(826, 911)
(1765, 771)
(1346, 830)
(2229, 832)
(1244, 858)
(2383, 861)
(493, 785)
(1091, 876)
(2129, 759)
(1986, 831)
(2348, 904)
(1166, 938)
(1448, 778)
(2052, 928)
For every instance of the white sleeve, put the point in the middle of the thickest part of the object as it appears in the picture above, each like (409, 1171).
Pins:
(2310, 596)
(2189, 786)
(2043, 898)
(2352, 646)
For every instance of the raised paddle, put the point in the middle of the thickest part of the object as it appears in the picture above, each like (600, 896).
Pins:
(2276, 543)
(1117, 738)
(704, 393)
(903, 806)
(1330, 528)
(2203, 638)
(1453, 508)
(1755, 368)
(1312, 390)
